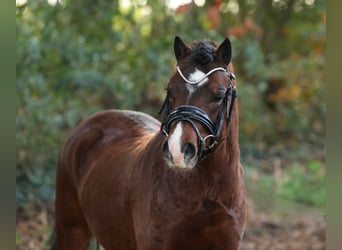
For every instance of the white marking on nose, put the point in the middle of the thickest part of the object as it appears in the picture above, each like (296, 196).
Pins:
(175, 143)
(195, 76)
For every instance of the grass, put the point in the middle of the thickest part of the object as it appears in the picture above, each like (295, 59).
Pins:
(298, 182)
(305, 184)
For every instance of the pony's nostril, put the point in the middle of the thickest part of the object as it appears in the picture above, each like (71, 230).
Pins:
(189, 150)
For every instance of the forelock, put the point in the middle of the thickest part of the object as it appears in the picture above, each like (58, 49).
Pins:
(203, 52)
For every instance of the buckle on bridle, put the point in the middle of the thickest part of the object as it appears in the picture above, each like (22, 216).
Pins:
(213, 144)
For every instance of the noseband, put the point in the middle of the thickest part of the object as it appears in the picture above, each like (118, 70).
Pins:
(191, 113)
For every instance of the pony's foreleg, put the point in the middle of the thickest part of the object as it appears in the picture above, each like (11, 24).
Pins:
(72, 231)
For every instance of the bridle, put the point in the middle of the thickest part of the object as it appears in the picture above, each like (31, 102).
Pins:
(191, 113)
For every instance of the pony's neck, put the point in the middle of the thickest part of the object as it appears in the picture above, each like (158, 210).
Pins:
(223, 165)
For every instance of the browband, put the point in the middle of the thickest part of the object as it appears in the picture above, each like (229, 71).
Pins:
(230, 74)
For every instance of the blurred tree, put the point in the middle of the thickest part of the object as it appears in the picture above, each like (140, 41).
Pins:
(78, 57)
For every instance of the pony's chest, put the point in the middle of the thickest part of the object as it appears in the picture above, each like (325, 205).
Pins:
(209, 227)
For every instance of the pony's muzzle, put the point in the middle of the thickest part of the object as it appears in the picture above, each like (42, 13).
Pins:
(185, 158)
(179, 150)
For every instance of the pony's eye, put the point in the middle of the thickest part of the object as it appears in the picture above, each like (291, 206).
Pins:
(218, 97)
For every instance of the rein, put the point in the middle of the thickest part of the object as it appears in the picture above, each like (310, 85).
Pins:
(191, 113)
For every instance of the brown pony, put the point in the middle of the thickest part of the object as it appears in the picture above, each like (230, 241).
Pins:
(135, 183)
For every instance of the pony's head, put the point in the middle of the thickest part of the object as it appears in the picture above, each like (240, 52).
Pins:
(200, 98)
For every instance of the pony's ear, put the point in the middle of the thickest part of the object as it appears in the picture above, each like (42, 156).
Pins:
(224, 52)
(180, 49)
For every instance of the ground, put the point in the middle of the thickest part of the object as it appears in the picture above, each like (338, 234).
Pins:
(284, 231)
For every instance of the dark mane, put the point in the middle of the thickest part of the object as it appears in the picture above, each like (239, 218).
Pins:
(203, 52)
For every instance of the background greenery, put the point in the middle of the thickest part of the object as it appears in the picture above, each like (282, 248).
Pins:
(78, 57)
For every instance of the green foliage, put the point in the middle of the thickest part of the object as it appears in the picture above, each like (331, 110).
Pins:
(78, 57)
(304, 184)
(297, 182)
